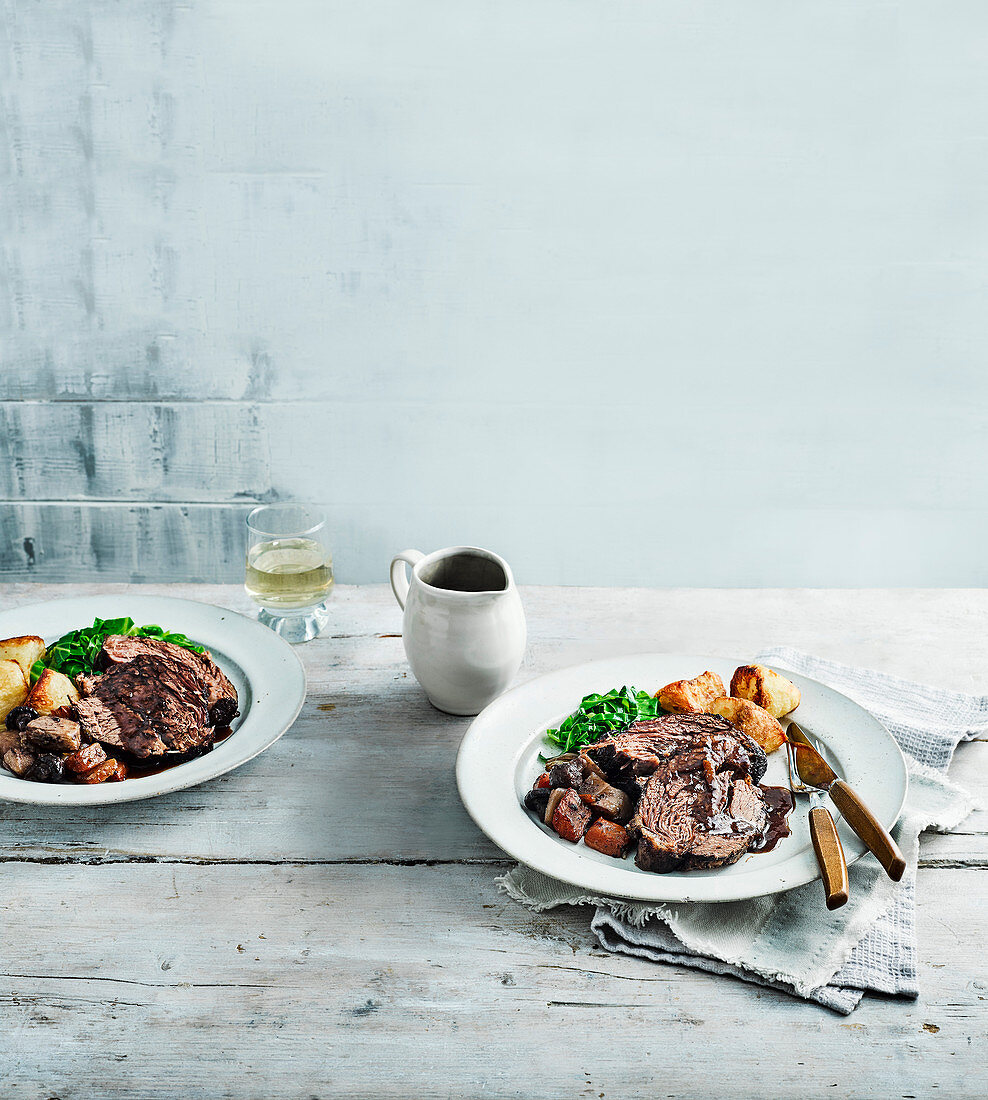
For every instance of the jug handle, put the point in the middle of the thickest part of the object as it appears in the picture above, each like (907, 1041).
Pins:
(399, 582)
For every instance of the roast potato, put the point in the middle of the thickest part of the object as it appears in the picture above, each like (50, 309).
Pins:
(693, 695)
(765, 687)
(53, 689)
(751, 719)
(25, 651)
(13, 687)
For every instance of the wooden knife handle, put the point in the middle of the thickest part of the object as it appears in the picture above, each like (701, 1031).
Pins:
(830, 856)
(867, 826)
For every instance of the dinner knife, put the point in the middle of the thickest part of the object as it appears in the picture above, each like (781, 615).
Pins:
(814, 771)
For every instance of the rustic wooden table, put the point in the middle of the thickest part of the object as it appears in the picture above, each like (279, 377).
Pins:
(324, 921)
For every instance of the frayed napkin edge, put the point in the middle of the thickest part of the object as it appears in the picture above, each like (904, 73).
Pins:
(714, 965)
(630, 911)
(964, 806)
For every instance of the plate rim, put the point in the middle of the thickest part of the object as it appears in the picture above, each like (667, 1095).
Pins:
(655, 888)
(204, 768)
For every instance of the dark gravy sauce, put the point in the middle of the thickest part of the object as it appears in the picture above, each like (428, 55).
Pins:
(140, 769)
(779, 803)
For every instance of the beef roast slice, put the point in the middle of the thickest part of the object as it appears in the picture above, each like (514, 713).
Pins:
(698, 808)
(730, 834)
(748, 804)
(147, 706)
(629, 758)
(758, 761)
(656, 853)
(719, 849)
(677, 804)
(695, 777)
(98, 721)
(665, 821)
(121, 649)
(672, 811)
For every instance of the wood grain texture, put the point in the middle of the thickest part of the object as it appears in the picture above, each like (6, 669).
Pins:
(220, 451)
(311, 926)
(374, 982)
(184, 195)
(156, 542)
(171, 542)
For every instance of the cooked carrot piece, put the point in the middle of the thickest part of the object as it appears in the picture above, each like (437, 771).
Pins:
(571, 817)
(604, 836)
(542, 781)
(109, 769)
(85, 759)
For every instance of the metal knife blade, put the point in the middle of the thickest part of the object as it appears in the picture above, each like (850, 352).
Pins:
(814, 771)
(810, 765)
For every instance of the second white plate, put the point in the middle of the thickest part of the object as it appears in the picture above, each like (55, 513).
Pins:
(498, 762)
(265, 670)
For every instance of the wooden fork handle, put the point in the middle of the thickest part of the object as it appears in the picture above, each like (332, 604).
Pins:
(867, 826)
(830, 856)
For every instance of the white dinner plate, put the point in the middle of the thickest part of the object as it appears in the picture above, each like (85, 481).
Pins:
(265, 670)
(499, 761)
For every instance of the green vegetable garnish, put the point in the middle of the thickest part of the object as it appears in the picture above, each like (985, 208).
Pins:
(76, 652)
(600, 715)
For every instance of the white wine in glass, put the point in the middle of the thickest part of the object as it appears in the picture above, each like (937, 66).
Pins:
(289, 571)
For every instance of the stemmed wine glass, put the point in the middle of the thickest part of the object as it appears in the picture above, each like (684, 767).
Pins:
(289, 569)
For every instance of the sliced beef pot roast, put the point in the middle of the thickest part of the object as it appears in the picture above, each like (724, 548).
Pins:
(120, 649)
(154, 698)
(695, 777)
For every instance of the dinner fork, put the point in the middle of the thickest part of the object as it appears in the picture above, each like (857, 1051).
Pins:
(826, 842)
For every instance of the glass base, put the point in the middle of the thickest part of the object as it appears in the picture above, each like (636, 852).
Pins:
(296, 626)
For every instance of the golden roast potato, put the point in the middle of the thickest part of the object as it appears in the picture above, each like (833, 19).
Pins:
(751, 719)
(25, 651)
(13, 686)
(691, 695)
(53, 689)
(766, 688)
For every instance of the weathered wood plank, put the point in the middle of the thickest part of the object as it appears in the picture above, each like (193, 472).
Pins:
(219, 451)
(133, 541)
(66, 542)
(365, 712)
(139, 452)
(930, 635)
(397, 982)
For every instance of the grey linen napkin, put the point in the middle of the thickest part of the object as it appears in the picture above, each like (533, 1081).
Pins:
(789, 941)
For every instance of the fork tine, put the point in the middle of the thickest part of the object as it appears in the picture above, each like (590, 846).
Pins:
(796, 785)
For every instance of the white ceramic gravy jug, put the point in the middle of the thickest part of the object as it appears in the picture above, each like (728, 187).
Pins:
(464, 627)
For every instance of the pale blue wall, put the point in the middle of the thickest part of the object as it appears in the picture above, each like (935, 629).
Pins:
(635, 293)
